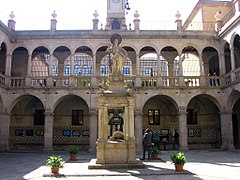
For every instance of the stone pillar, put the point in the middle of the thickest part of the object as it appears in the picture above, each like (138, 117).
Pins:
(8, 66)
(137, 64)
(48, 131)
(159, 68)
(105, 123)
(201, 65)
(50, 65)
(4, 131)
(72, 65)
(100, 124)
(138, 130)
(94, 64)
(29, 67)
(131, 120)
(233, 64)
(222, 64)
(126, 123)
(226, 130)
(183, 131)
(93, 126)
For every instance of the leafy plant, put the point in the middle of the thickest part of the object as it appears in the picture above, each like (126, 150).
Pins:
(179, 158)
(155, 150)
(73, 150)
(54, 161)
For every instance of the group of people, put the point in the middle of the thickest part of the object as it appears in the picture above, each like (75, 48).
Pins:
(148, 142)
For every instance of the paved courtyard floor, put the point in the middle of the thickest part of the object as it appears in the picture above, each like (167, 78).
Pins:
(202, 164)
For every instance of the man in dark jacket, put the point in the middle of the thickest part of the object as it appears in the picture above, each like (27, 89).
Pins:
(147, 143)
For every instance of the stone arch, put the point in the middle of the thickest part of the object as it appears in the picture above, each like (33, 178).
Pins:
(167, 107)
(3, 55)
(27, 121)
(71, 119)
(19, 57)
(211, 57)
(203, 122)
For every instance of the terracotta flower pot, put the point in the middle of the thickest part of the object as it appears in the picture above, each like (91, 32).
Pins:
(154, 156)
(179, 167)
(73, 157)
(55, 170)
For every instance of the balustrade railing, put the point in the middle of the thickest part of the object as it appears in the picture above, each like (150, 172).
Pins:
(230, 13)
(148, 82)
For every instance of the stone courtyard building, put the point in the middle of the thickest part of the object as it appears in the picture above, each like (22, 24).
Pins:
(187, 78)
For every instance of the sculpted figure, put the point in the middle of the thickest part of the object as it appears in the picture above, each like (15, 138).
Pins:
(119, 55)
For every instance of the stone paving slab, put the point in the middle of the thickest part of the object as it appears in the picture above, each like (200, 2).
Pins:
(202, 164)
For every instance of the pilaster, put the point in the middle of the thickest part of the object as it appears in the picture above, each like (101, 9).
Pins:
(4, 131)
(183, 141)
(226, 130)
(48, 131)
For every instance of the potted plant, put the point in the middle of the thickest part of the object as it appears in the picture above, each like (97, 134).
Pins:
(73, 150)
(155, 152)
(54, 162)
(179, 159)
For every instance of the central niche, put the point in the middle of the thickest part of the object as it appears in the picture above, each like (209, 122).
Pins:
(116, 121)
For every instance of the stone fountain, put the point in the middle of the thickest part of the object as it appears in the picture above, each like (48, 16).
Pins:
(116, 146)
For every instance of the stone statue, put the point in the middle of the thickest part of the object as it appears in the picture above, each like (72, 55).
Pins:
(118, 55)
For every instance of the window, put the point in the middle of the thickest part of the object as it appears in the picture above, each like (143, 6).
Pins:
(191, 116)
(77, 117)
(39, 117)
(85, 70)
(76, 70)
(126, 70)
(67, 70)
(154, 116)
(103, 70)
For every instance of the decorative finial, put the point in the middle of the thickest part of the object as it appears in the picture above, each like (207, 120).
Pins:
(218, 15)
(178, 15)
(136, 15)
(11, 15)
(95, 14)
(54, 15)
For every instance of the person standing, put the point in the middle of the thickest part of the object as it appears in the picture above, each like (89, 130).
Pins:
(147, 144)
(175, 139)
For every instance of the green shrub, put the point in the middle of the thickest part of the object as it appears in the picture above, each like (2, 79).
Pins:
(54, 161)
(155, 150)
(73, 150)
(179, 158)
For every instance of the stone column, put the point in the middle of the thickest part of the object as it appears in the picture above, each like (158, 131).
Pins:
(158, 65)
(126, 123)
(72, 65)
(138, 130)
(8, 66)
(4, 131)
(93, 126)
(181, 78)
(202, 70)
(100, 123)
(105, 123)
(48, 131)
(138, 79)
(226, 130)
(183, 131)
(222, 64)
(29, 67)
(233, 64)
(50, 65)
(131, 119)
(94, 64)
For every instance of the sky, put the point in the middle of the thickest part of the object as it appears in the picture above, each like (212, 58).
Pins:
(78, 14)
